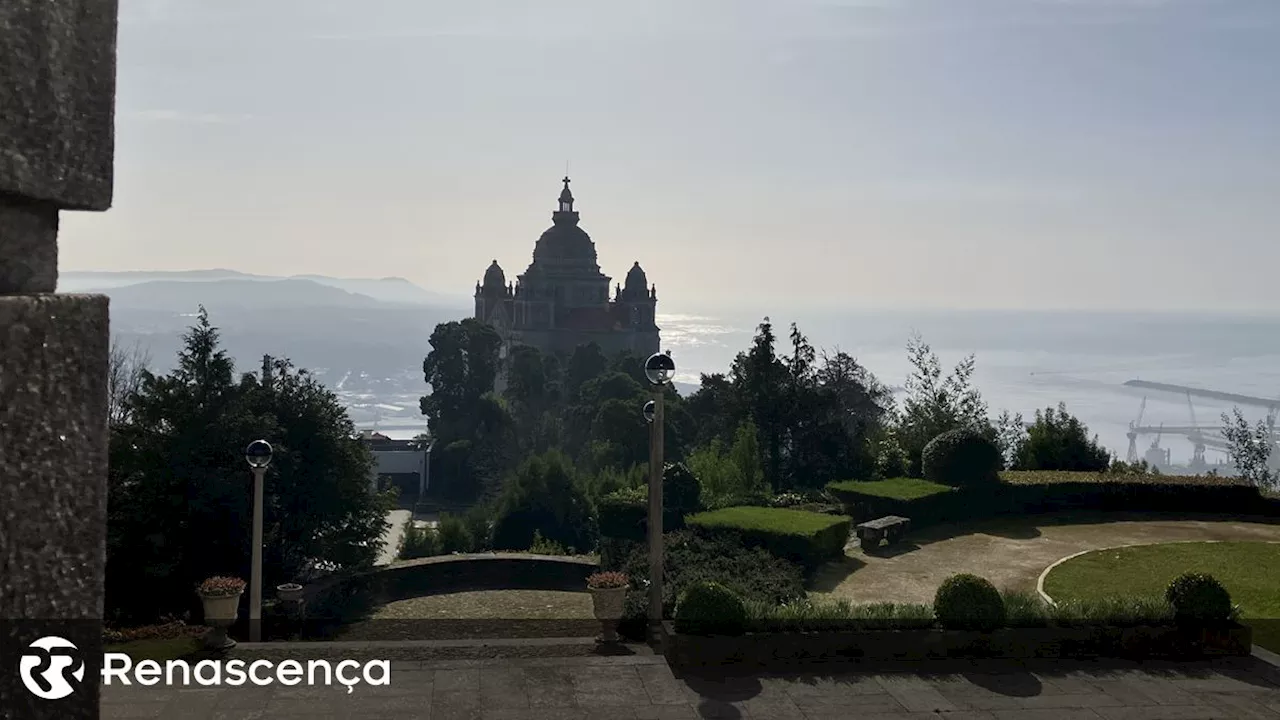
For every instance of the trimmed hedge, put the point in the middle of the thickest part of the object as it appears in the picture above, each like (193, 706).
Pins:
(624, 515)
(805, 538)
(1058, 491)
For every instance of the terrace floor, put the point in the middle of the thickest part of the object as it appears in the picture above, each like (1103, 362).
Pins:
(1011, 553)
(642, 686)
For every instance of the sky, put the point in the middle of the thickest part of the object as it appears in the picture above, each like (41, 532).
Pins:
(1093, 154)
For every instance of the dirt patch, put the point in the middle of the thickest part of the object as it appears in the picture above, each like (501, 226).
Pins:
(1010, 552)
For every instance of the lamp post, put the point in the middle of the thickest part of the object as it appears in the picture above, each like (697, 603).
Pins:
(658, 370)
(258, 455)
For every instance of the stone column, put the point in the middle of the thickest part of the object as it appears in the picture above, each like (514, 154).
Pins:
(57, 102)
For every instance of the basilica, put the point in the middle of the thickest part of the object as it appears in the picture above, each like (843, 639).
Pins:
(562, 299)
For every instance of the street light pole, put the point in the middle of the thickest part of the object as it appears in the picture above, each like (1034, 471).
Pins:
(658, 370)
(255, 581)
(258, 455)
(656, 463)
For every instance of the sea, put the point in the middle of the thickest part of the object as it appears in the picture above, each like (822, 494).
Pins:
(1025, 361)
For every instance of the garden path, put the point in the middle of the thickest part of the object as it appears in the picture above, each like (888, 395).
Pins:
(1010, 552)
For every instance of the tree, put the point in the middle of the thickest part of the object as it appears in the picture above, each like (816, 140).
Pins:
(125, 369)
(1251, 448)
(180, 492)
(758, 378)
(475, 428)
(936, 403)
(1057, 440)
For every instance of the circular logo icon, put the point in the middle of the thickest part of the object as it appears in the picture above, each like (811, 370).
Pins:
(46, 665)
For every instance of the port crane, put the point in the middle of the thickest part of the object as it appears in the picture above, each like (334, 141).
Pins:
(1201, 437)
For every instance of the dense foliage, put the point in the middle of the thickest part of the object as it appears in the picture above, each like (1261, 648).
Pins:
(752, 573)
(1058, 440)
(180, 505)
(963, 457)
(805, 538)
(1199, 598)
(709, 608)
(935, 404)
(969, 602)
(544, 497)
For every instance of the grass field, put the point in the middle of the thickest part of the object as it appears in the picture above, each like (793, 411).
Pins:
(1249, 570)
(893, 488)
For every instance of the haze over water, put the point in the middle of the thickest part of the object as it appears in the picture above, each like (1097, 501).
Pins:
(1030, 360)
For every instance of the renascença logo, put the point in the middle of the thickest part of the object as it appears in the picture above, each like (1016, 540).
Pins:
(46, 665)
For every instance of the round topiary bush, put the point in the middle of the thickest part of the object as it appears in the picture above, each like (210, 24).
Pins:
(968, 602)
(709, 608)
(1199, 598)
(961, 458)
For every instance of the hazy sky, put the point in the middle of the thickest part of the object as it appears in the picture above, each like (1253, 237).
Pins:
(937, 153)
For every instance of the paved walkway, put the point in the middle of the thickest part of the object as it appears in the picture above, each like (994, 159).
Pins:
(1009, 553)
(638, 687)
(394, 535)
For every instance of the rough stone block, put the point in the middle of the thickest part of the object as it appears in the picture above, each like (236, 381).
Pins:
(53, 489)
(57, 100)
(28, 246)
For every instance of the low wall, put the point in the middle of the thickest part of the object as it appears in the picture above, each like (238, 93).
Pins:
(449, 573)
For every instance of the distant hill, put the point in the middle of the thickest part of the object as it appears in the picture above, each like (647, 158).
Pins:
(183, 296)
(388, 290)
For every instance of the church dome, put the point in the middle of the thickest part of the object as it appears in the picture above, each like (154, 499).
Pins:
(565, 241)
(636, 279)
(494, 277)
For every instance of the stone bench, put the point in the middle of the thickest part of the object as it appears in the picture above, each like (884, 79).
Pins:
(888, 528)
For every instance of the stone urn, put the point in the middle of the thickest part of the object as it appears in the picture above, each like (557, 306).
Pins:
(289, 592)
(608, 598)
(221, 598)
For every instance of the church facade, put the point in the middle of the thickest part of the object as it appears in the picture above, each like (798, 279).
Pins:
(562, 299)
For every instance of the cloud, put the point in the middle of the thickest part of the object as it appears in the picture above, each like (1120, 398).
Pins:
(182, 116)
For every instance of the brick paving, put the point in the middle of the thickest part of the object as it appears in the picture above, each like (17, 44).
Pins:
(644, 688)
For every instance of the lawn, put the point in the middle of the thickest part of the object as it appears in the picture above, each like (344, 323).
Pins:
(893, 488)
(1249, 570)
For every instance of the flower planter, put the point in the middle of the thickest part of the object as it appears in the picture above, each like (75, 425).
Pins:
(607, 603)
(289, 592)
(220, 613)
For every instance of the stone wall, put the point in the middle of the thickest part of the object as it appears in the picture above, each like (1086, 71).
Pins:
(57, 84)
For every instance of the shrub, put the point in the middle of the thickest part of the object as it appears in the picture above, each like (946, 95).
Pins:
(453, 535)
(961, 458)
(479, 527)
(624, 514)
(419, 542)
(805, 538)
(543, 496)
(968, 602)
(1199, 598)
(709, 608)
(543, 546)
(753, 573)
(806, 615)
(1114, 610)
(681, 495)
(608, 580)
(1059, 441)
